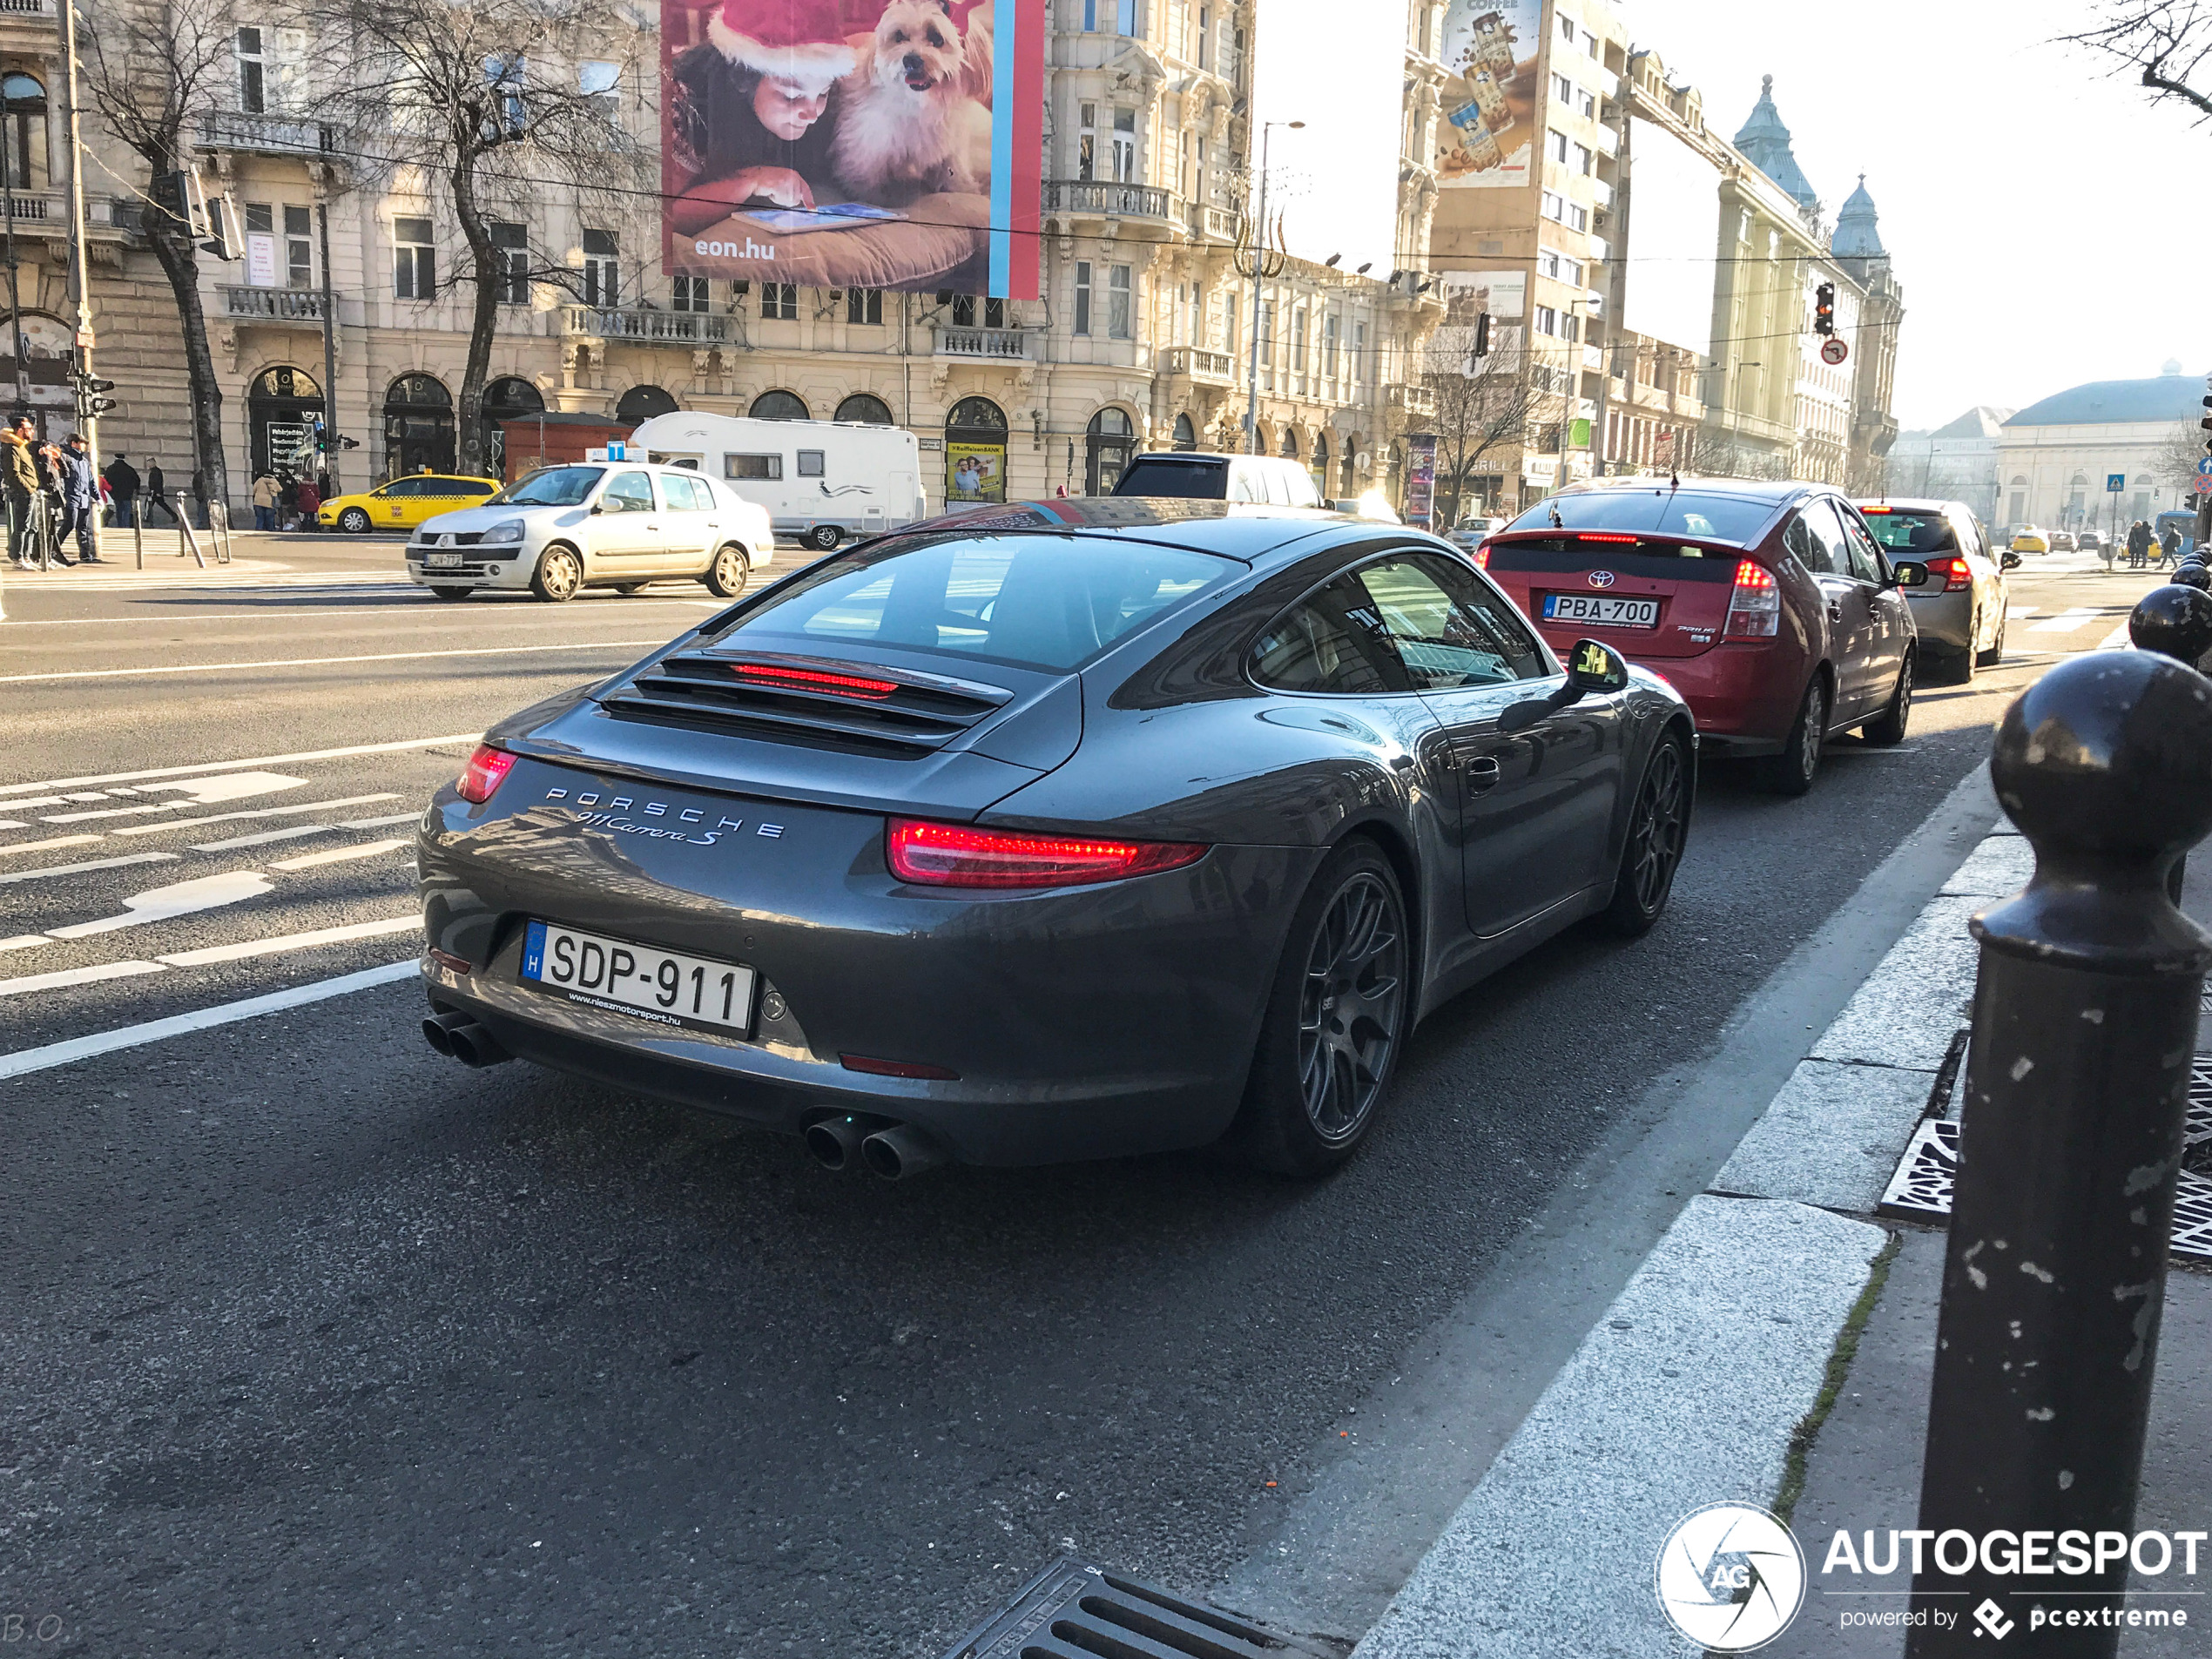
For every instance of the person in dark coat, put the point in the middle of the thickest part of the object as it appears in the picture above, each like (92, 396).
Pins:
(158, 494)
(2169, 545)
(80, 494)
(123, 484)
(2138, 544)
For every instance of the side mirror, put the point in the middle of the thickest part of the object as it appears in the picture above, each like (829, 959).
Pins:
(595, 508)
(1593, 668)
(2011, 562)
(1908, 573)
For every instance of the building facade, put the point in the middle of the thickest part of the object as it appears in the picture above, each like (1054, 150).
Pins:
(1140, 335)
(1957, 461)
(2056, 459)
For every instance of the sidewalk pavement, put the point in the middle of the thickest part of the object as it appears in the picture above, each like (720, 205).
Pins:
(1693, 1386)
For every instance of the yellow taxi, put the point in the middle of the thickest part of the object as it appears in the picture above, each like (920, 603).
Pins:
(2031, 540)
(405, 503)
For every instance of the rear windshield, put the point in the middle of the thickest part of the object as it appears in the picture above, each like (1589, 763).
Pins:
(1911, 532)
(551, 487)
(1169, 475)
(1661, 511)
(1040, 602)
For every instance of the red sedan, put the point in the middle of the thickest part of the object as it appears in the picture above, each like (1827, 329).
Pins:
(1768, 606)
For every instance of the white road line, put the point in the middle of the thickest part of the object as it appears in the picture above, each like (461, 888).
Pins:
(13, 823)
(339, 854)
(294, 833)
(21, 805)
(52, 843)
(2012, 611)
(23, 941)
(55, 982)
(107, 812)
(179, 898)
(324, 662)
(9, 791)
(90, 865)
(2116, 640)
(2065, 622)
(294, 941)
(380, 823)
(640, 603)
(131, 1037)
(261, 811)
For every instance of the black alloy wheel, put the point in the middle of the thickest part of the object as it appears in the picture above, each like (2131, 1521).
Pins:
(1335, 1021)
(354, 520)
(1887, 728)
(1658, 828)
(1791, 771)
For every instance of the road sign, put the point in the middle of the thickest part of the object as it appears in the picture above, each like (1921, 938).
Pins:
(1833, 351)
(2115, 482)
(2205, 468)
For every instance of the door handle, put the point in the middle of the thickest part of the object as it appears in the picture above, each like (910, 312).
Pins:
(1481, 770)
(1835, 610)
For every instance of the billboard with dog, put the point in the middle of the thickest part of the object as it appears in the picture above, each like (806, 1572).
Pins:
(854, 144)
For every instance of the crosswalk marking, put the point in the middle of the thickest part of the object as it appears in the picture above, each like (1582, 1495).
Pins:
(56, 980)
(105, 811)
(266, 836)
(52, 844)
(2065, 622)
(181, 898)
(89, 864)
(263, 812)
(339, 854)
(379, 823)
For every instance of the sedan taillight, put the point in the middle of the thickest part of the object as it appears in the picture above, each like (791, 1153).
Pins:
(957, 855)
(1958, 576)
(486, 771)
(1755, 608)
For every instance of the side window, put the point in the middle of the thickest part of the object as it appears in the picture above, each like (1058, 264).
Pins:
(1331, 642)
(1240, 484)
(809, 463)
(677, 493)
(752, 466)
(1278, 493)
(1444, 628)
(1821, 548)
(1866, 561)
(476, 489)
(629, 492)
(402, 487)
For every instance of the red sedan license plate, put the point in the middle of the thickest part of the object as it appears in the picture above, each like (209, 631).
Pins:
(1602, 609)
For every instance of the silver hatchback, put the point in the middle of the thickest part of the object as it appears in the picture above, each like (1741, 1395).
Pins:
(1959, 613)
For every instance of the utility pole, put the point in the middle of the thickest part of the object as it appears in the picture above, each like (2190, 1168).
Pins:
(89, 402)
(1259, 264)
(15, 298)
(330, 336)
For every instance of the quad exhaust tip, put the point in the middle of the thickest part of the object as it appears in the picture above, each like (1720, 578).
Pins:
(458, 1037)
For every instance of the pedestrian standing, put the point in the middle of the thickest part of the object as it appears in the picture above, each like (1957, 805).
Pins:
(123, 484)
(264, 501)
(157, 492)
(2169, 546)
(51, 483)
(2138, 544)
(310, 503)
(287, 500)
(22, 481)
(80, 493)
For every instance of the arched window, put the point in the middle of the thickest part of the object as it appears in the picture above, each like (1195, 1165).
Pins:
(1321, 461)
(976, 451)
(1186, 435)
(640, 403)
(418, 426)
(511, 400)
(281, 405)
(1109, 442)
(23, 151)
(1290, 443)
(873, 411)
(779, 405)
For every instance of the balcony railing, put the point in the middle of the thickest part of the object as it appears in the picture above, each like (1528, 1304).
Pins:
(990, 345)
(274, 305)
(1206, 367)
(641, 326)
(1215, 224)
(1410, 398)
(1104, 196)
(268, 133)
(26, 9)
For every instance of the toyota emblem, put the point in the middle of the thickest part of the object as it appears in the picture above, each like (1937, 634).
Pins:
(1601, 578)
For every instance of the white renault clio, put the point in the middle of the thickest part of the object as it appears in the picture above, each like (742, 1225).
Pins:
(596, 524)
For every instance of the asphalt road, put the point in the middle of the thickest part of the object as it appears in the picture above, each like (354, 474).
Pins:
(321, 1344)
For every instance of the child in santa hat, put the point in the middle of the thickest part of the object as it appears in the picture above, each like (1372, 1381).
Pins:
(751, 119)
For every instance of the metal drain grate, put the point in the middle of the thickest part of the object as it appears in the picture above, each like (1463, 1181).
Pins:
(1075, 1610)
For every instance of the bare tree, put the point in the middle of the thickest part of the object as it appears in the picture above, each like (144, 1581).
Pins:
(2169, 43)
(485, 107)
(1483, 404)
(2175, 464)
(152, 73)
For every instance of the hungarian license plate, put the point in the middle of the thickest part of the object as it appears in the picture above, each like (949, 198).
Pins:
(1602, 609)
(442, 560)
(663, 987)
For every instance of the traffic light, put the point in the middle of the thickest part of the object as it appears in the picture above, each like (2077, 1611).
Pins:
(1823, 309)
(2205, 421)
(1482, 335)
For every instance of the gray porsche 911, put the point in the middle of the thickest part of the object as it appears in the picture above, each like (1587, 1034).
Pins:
(1058, 831)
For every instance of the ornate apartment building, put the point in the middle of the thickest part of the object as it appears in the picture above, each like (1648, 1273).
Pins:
(1140, 336)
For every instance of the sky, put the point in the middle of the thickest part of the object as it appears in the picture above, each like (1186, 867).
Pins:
(2043, 217)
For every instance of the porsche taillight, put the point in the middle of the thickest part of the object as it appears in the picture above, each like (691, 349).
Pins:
(486, 771)
(1755, 607)
(959, 855)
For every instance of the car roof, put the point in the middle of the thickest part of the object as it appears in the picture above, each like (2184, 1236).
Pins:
(1914, 504)
(1248, 531)
(1776, 491)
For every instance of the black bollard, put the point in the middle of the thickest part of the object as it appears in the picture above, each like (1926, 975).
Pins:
(2175, 621)
(2085, 1019)
(2193, 575)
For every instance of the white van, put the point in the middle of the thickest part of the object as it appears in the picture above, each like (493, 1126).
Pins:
(822, 481)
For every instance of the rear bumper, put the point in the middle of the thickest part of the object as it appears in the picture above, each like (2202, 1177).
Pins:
(1743, 693)
(1083, 1022)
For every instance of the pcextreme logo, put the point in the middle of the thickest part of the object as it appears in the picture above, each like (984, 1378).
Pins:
(1731, 1577)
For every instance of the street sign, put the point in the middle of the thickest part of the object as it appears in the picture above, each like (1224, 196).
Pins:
(2205, 468)
(1833, 351)
(2115, 482)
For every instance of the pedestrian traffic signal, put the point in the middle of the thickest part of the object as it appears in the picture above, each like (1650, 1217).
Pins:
(99, 406)
(1482, 335)
(1823, 309)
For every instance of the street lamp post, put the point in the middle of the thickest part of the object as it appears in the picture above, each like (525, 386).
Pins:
(1259, 262)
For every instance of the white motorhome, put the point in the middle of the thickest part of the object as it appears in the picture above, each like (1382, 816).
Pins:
(822, 481)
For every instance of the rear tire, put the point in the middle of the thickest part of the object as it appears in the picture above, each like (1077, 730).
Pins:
(1658, 825)
(1791, 771)
(825, 536)
(354, 520)
(1995, 654)
(1886, 729)
(726, 577)
(1337, 1016)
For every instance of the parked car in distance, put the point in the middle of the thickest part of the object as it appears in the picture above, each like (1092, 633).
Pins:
(2090, 542)
(822, 481)
(1194, 475)
(2062, 540)
(1959, 613)
(1768, 606)
(614, 524)
(2030, 539)
(404, 503)
(1469, 531)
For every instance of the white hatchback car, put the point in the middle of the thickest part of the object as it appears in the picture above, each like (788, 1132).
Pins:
(595, 524)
